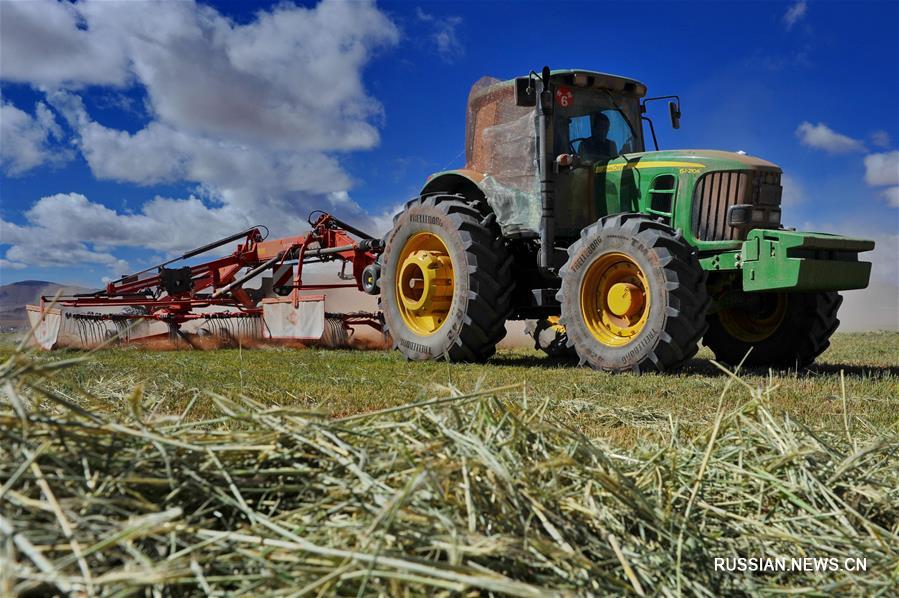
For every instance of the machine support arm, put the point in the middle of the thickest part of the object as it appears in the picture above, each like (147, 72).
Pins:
(248, 234)
(224, 241)
(248, 276)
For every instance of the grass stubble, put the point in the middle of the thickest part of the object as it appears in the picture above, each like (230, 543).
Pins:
(488, 491)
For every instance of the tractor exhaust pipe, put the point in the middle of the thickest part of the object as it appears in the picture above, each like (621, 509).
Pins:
(547, 183)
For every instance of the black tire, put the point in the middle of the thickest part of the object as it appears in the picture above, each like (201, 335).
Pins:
(370, 276)
(482, 282)
(803, 332)
(675, 320)
(550, 337)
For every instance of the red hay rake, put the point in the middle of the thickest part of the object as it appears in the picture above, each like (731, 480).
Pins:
(212, 297)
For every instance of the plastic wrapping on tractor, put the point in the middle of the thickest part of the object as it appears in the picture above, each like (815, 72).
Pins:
(501, 143)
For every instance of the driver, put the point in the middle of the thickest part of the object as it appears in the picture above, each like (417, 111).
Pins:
(598, 146)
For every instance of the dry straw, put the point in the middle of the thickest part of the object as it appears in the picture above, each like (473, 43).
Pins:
(483, 492)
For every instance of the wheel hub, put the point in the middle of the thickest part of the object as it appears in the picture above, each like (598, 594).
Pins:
(424, 283)
(624, 299)
(614, 299)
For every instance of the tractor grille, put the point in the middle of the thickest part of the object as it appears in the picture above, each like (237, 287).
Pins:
(717, 191)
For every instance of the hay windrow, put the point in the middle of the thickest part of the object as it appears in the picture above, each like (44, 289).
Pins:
(480, 492)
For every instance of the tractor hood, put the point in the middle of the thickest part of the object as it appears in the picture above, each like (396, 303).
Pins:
(687, 158)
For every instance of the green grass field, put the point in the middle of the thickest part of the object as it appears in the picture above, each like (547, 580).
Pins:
(620, 408)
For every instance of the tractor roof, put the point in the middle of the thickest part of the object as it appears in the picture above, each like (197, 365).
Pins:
(596, 79)
(602, 80)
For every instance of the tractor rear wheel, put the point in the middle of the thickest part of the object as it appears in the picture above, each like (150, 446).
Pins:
(445, 281)
(633, 296)
(781, 329)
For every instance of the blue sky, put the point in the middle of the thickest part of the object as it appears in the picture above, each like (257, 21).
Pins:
(130, 132)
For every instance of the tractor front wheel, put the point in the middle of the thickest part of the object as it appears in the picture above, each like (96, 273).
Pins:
(773, 329)
(633, 296)
(445, 281)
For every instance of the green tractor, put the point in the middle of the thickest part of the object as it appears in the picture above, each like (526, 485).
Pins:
(628, 258)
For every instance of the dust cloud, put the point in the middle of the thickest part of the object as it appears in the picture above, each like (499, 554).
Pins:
(876, 307)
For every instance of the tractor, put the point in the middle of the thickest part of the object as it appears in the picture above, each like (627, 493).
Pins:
(625, 257)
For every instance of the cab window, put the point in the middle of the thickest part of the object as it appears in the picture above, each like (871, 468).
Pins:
(589, 141)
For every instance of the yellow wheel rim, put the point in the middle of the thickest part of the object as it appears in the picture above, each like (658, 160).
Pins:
(755, 326)
(615, 299)
(424, 283)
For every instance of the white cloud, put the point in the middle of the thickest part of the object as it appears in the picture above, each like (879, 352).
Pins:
(795, 13)
(162, 153)
(45, 42)
(6, 264)
(880, 139)
(449, 47)
(26, 141)
(54, 242)
(822, 137)
(443, 35)
(68, 229)
(892, 196)
(289, 78)
(252, 113)
(882, 169)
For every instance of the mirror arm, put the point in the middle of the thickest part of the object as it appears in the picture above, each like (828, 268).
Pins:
(652, 130)
(675, 118)
(676, 98)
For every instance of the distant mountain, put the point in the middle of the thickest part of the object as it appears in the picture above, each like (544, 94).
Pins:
(14, 297)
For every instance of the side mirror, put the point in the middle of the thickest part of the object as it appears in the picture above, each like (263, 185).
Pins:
(674, 110)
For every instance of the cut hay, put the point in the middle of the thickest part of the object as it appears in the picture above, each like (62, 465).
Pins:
(483, 492)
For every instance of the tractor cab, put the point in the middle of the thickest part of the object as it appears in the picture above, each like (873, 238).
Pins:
(595, 119)
(595, 123)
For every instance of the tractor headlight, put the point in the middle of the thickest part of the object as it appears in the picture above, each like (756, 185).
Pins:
(739, 215)
(750, 216)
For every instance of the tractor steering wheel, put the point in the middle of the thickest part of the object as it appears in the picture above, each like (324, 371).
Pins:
(575, 140)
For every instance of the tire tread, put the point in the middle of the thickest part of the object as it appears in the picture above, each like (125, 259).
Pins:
(490, 285)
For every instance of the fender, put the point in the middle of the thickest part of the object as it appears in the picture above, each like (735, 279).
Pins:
(462, 181)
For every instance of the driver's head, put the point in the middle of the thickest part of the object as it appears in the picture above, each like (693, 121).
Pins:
(599, 125)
